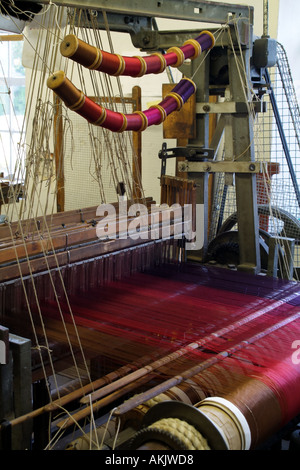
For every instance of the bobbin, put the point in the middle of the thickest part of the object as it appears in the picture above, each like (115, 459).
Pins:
(227, 415)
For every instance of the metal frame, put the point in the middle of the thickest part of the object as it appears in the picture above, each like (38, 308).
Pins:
(243, 150)
(15, 394)
(236, 125)
(207, 12)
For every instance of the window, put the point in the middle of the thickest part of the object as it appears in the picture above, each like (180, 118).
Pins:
(12, 101)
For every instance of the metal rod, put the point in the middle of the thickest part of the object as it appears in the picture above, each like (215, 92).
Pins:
(266, 19)
(191, 10)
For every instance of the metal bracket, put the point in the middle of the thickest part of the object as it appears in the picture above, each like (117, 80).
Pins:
(190, 153)
(230, 107)
(219, 167)
(125, 23)
(195, 154)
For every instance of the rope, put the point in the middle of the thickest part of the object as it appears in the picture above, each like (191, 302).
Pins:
(187, 434)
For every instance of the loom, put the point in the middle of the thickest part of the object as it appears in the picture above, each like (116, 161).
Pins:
(120, 328)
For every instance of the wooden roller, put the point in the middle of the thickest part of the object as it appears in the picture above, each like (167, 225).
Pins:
(81, 52)
(64, 88)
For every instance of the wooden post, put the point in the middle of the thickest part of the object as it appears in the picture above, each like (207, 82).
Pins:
(58, 155)
(137, 146)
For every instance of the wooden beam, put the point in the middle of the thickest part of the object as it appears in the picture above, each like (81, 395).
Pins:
(58, 155)
(11, 37)
(137, 146)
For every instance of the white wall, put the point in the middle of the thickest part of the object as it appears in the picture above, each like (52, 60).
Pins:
(288, 36)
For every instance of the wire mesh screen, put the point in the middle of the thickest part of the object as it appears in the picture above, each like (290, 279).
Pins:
(95, 161)
(277, 144)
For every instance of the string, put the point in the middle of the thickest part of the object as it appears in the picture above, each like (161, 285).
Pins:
(93, 426)
(35, 216)
(57, 436)
(23, 237)
(106, 428)
(216, 35)
(124, 109)
(117, 433)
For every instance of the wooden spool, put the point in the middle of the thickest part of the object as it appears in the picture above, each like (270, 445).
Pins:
(229, 420)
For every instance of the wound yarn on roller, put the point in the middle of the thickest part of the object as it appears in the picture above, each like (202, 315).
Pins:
(114, 64)
(77, 101)
(94, 58)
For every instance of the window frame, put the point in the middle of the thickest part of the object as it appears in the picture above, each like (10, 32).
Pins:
(7, 166)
